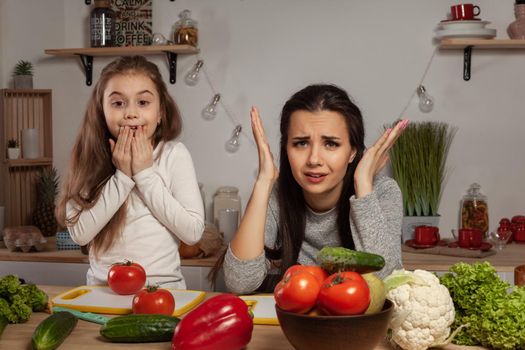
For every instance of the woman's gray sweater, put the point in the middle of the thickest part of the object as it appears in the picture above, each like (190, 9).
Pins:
(375, 221)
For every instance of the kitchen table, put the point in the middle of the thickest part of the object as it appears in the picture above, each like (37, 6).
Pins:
(86, 335)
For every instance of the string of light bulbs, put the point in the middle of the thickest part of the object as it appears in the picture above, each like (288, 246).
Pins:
(209, 112)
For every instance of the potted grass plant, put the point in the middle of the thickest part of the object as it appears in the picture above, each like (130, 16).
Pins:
(13, 149)
(418, 161)
(23, 75)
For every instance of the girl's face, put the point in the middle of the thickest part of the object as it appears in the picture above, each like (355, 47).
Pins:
(131, 100)
(319, 152)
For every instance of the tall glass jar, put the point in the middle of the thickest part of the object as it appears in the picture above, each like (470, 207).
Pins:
(226, 197)
(102, 24)
(185, 30)
(474, 210)
(516, 29)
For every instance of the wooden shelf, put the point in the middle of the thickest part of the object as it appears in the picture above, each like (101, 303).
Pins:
(12, 163)
(481, 43)
(467, 44)
(86, 55)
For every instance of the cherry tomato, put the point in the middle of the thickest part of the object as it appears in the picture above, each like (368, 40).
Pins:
(126, 278)
(297, 292)
(344, 293)
(153, 300)
(315, 270)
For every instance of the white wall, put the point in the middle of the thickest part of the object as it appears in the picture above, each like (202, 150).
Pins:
(260, 52)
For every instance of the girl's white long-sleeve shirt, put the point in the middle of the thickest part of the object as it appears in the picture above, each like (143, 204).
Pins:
(164, 207)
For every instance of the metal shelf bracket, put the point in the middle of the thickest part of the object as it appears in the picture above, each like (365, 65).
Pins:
(467, 60)
(172, 62)
(87, 62)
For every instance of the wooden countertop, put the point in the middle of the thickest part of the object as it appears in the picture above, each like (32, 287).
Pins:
(86, 335)
(504, 261)
(51, 254)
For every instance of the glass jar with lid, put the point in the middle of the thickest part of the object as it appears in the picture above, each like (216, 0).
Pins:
(226, 197)
(474, 210)
(185, 30)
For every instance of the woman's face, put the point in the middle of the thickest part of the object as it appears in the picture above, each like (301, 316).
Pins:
(131, 101)
(319, 152)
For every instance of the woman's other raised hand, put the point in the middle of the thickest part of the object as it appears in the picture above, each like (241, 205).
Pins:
(268, 172)
(375, 158)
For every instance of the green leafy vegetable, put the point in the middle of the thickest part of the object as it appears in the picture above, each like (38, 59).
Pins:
(495, 316)
(18, 301)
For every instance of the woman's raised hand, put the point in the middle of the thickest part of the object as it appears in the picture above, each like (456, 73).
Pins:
(375, 158)
(267, 169)
(142, 151)
(121, 150)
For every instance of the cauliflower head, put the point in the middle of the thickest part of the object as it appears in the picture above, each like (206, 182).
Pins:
(423, 310)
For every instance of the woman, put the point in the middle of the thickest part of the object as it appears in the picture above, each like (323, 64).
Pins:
(327, 193)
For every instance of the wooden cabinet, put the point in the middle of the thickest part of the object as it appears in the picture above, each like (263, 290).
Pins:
(19, 110)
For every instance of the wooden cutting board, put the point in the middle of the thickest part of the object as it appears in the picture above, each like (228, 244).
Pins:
(262, 307)
(101, 299)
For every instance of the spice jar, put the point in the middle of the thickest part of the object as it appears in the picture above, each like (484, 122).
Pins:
(102, 24)
(185, 30)
(474, 210)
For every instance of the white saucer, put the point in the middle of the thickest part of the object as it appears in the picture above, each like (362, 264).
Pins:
(482, 33)
(463, 24)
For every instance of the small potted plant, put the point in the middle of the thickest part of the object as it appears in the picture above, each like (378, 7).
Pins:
(13, 149)
(418, 161)
(23, 75)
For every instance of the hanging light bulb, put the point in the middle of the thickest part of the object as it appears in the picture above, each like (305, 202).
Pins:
(426, 102)
(192, 78)
(233, 144)
(210, 111)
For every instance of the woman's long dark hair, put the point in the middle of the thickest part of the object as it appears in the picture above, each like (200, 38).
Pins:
(292, 206)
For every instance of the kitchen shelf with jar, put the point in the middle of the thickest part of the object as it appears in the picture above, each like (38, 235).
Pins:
(86, 55)
(467, 44)
(21, 110)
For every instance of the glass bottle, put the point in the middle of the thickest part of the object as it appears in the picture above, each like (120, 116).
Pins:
(185, 30)
(516, 29)
(474, 210)
(102, 24)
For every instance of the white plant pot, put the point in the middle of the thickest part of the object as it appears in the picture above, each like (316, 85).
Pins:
(410, 223)
(23, 81)
(13, 153)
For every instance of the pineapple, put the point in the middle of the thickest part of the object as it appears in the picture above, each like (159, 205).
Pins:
(44, 214)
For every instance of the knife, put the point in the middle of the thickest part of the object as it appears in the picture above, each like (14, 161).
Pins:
(86, 316)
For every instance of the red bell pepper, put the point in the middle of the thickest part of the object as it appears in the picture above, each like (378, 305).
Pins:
(222, 322)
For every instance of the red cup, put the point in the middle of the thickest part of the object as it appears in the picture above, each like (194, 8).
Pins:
(426, 235)
(470, 238)
(464, 12)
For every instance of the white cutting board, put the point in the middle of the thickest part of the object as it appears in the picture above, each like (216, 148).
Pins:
(102, 300)
(262, 307)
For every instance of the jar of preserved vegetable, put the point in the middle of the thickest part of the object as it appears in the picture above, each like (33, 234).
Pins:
(185, 30)
(474, 210)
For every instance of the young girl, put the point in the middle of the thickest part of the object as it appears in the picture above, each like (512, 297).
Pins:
(326, 193)
(131, 191)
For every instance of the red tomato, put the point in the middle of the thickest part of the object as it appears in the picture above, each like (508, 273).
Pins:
(344, 293)
(297, 292)
(153, 300)
(315, 270)
(126, 278)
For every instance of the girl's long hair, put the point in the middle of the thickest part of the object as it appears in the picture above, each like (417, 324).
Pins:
(292, 206)
(91, 166)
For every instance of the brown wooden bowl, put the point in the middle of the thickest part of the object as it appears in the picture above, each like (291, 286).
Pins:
(361, 332)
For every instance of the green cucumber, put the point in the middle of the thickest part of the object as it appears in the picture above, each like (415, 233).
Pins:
(52, 331)
(336, 259)
(139, 328)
